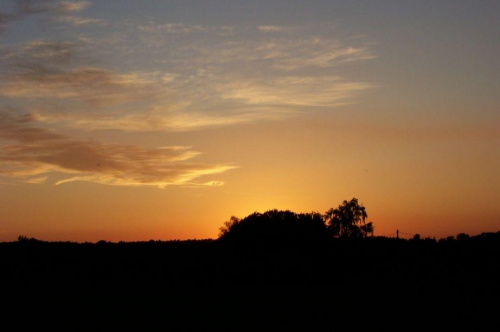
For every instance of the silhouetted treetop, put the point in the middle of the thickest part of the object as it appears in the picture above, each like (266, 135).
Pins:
(274, 226)
(348, 220)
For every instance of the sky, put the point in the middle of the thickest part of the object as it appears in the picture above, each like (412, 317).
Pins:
(128, 120)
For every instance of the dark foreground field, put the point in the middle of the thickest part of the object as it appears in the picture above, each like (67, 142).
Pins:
(208, 285)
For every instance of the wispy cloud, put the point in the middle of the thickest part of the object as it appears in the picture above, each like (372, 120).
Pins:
(227, 81)
(161, 120)
(294, 91)
(212, 76)
(37, 153)
(36, 180)
(272, 28)
(291, 54)
(176, 29)
(77, 20)
(173, 28)
(92, 86)
(170, 77)
(20, 9)
(21, 129)
(71, 6)
(42, 54)
(43, 70)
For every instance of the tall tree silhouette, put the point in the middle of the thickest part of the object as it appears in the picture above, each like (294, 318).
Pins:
(348, 220)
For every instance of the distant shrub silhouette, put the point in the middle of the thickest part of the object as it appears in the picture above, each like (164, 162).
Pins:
(463, 237)
(274, 226)
(25, 239)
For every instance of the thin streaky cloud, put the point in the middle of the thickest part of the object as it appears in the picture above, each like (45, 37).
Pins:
(164, 121)
(88, 85)
(52, 70)
(272, 28)
(194, 84)
(36, 180)
(24, 8)
(49, 52)
(177, 98)
(34, 155)
(19, 10)
(294, 91)
(77, 20)
(20, 128)
(158, 29)
(173, 28)
(72, 6)
(104, 163)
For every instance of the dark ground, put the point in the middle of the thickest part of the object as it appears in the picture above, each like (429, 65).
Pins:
(208, 285)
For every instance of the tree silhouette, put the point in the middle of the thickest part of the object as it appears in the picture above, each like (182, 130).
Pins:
(229, 225)
(367, 229)
(348, 220)
(274, 226)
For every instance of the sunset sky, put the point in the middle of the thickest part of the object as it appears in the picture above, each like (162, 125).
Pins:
(136, 120)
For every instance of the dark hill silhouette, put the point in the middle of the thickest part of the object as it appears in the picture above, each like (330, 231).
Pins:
(203, 283)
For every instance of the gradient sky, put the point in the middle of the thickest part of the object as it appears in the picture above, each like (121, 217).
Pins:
(137, 120)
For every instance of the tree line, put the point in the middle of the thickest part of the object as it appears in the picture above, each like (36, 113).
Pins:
(348, 220)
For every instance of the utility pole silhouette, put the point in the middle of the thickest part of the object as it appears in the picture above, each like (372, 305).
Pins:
(397, 233)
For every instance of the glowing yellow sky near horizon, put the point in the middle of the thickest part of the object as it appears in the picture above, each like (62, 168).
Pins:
(409, 197)
(130, 128)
